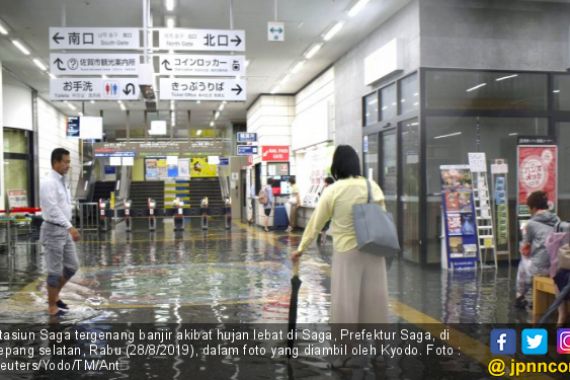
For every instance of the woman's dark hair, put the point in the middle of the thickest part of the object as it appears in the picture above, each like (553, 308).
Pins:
(537, 200)
(329, 180)
(345, 162)
(292, 180)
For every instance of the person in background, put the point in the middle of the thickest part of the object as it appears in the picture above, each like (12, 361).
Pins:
(294, 202)
(252, 195)
(204, 212)
(228, 212)
(57, 234)
(323, 238)
(535, 260)
(359, 286)
(268, 205)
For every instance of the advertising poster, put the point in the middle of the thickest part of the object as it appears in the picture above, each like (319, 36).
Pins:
(199, 168)
(537, 170)
(151, 169)
(184, 168)
(17, 198)
(459, 217)
(162, 169)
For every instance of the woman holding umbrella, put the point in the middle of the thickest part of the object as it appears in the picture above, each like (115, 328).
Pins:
(359, 288)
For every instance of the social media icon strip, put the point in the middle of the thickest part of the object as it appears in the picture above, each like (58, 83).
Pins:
(534, 341)
(563, 341)
(503, 341)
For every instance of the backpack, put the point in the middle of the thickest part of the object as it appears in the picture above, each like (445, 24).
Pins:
(556, 244)
(262, 197)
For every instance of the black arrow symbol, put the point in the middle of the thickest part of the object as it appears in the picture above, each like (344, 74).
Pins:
(166, 65)
(56, 37)
(273, 30)
(59, 62)
(129, 88)
(238, 89)
(237, 40)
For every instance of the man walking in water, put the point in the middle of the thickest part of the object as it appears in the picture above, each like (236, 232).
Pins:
(58, 236)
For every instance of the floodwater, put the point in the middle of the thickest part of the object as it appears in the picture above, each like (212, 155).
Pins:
(237, 277)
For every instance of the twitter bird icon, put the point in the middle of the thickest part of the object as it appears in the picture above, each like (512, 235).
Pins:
(534, 341)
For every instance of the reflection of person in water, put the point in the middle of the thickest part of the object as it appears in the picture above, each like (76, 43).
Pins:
(467, 225)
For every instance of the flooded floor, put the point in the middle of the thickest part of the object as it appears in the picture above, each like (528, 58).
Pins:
(242, 276)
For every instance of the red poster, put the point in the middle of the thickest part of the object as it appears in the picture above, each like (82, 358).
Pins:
(537, 170)
(275, 153)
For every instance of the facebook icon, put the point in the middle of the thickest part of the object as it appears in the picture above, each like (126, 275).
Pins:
(503, 341)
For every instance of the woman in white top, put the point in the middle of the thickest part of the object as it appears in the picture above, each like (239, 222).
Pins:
(359, 288)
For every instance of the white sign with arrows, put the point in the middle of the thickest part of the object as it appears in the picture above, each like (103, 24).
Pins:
(204, 65)
(94, 88)
(94, 38)
(201, 39)
(93, 64)
(202, 89)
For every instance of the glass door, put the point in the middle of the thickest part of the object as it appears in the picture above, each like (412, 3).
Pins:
(371, 156)
(410, 201)
(389, 171)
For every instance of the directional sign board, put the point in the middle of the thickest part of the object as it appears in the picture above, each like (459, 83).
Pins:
(94, 88)
(202, 89)
(94, 38)
(93, 64)
(243, 137)
(203, 65)
(246, 150)
(201, 39)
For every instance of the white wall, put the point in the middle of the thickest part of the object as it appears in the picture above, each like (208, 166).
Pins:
(314, 112)
(52, 134)
(17, 100)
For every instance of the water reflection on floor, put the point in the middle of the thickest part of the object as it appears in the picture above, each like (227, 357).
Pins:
(241, 275)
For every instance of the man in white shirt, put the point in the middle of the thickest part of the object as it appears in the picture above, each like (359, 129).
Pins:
(58, 236)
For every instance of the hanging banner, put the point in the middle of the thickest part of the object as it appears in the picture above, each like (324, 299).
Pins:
(499, 172)
(537, 170)
(199, 168)
(459, 217)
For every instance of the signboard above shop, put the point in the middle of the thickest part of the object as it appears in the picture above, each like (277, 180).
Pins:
(244, 137)
(246, 150)
(201, 39)
(94, 88)
(94, 64)
(94, 38)
(275, 153)
(202, 65)
(202, 89)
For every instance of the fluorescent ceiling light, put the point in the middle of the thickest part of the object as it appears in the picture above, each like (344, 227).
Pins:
(476, 87)
(198, 102)
(357, 7)
(216, 115)
(52, 76)
(221, 107)
(71, 106)
(40, 64)
(199, 132)
(3, 29)
(507, 77)
(313, 50)
(555, 91)
(92, 102)
(172, 105)
(123, 108)
(285, 79)
(170, 22)
(211, 124)
(449, 135)
(513, 134)
(169, 5)
(246, 63)
(297, 67)
(21, 47)
(333, 31)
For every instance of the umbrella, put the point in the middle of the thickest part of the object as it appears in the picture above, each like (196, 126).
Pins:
(295, 285)
(557, 302)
